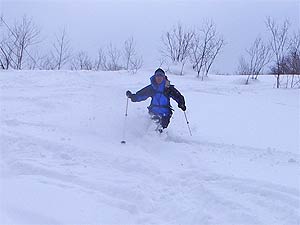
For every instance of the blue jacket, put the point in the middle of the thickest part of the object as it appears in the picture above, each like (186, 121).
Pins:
(160, 97)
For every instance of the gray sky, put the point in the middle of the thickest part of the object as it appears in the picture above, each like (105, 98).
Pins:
(92, 24)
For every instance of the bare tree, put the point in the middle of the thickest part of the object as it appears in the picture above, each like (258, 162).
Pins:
(214, 50)
(110, 59)
(100, 63)
(279, 44)
(197, 54)
(259, 55)
(6, 46)
(82, 62)
(113, 58)
(62, 50)
(244, 67)
(177, 45)
(34, 62)
(136, 64)
(129, 51)
(6, 53)
(292, 61)
(205, 47)
(132, 61)
(200, 46)
(294, 54)
(22, 35)
(46, 63)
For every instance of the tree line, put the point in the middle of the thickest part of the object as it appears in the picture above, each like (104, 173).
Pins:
(198, 47)
(280, 54)
(16, 53)
(180, 46)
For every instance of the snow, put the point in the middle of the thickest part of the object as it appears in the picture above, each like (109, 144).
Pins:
(62, 161)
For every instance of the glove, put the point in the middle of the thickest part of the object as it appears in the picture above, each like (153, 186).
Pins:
(182, 107)
(129, 94)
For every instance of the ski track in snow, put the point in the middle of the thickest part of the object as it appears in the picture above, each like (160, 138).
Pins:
(60, 148)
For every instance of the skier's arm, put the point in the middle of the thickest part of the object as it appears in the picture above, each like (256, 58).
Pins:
(178, 97)
(142, 94)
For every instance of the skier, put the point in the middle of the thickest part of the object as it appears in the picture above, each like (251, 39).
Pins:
(160, 92)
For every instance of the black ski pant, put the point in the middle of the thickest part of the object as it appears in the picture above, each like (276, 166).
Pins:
(165, 120)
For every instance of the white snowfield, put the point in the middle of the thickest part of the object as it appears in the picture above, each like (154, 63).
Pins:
(62, 161)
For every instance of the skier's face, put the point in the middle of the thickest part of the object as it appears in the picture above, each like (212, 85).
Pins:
(159, 79)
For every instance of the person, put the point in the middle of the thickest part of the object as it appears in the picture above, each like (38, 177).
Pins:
(160, 92)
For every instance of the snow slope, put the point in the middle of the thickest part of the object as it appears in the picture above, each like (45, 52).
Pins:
(62, 162)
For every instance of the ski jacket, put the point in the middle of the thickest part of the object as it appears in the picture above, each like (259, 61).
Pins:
(160, 97)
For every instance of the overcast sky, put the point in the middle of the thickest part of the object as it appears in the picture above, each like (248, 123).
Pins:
(92, 24)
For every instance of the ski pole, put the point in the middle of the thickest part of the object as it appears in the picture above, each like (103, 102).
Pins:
(124, 127)
(187, 122)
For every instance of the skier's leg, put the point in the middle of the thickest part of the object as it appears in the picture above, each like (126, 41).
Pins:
(165, 120)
